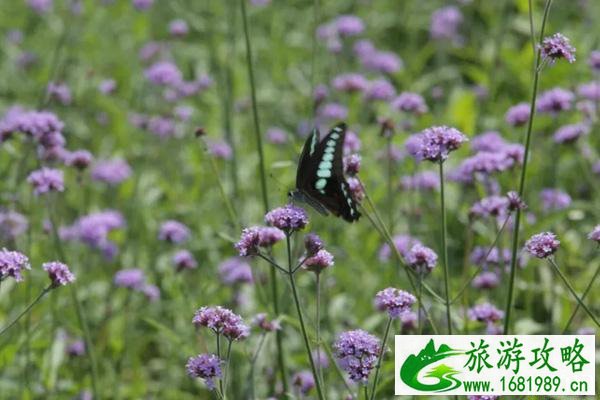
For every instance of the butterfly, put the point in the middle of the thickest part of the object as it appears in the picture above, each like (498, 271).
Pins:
(320, 178)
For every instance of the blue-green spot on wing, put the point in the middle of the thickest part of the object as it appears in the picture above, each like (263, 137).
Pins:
(320, 177)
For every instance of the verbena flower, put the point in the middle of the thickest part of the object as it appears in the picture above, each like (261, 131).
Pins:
(445, 23)
(518, 115)
(312, 244)
(380, 89)
(403, 244)
(40, 6)
(59, 273)
(76, 348)
(488, 141)
(357, 353)
(235, 270)
(554, 199)
(132, 278)
(261, 321)
(594, 60)
(352, 143)
(515, 202)
(79, 159)
(183, 259)
(93, 230)
(12, 225)
(557, 46)
(12, 264)
(352, 164)
(484, 257)
(277, 136)
(206, 367)
(152, 292)
(412, 103)
(160, 126)
(46, 180)
(349, 25)
(595, 234)
(422, 259)
(173, 232)
(486, 280)
(221, 321)
(111, 172)
(555, 100)
(163, 73)
(320, 358)
(485, 312)
(288, 218)
(590, 91)
(257, 236)
(332, 111)
(219, 149)
(350, 83)
(435, 143)
(107, 86)
(178, 28)
(394, 301)
(542, 245)
(492, 206)
(318, 262)
(422, 181)
(384, 62)
(303, 381)
(570, 133)
(409, 321)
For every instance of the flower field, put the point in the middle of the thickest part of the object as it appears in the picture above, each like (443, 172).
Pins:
(248, 199)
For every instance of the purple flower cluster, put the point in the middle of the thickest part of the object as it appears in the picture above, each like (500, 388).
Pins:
(93, 230)
(206, 367)
(485, 312)
(12, 264)
(59, 273)
(332, 111)
(46, 180)
(40, 6)
(12, 225)
(357, 353)
(570, 133)
(589, 91)
(445, 23)
(288, 218)
(164, 73)
(352, 164)
(321, 260)
(557, 46)
(235, 270)
(258, 236)
(172, 231)
(221, 321)
(277, 135)
(350, 83)
(183, 259)
(486, 280)
(542, 245)
(515, 202)
(178, 28)
(132, 278)
(111, 172)
(492, 206)
(424, 181)
(303, 381)
(79, 159)
(412, 103)
(403, 243)
(518, 114)
(554, 199)
(59, 92)
(495, 256)
(595, 234)
(219, 149)
(376, 60)
(594, 60)
(422, 259)
(555, 100)
(394, 301)
(380, 89)
(261, 321)
(43, 126)
(313, 244)
(435, 143)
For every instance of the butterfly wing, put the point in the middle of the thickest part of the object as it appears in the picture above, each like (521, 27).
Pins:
(321, 174)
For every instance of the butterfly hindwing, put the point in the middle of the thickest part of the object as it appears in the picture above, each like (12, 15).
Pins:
(321, 173)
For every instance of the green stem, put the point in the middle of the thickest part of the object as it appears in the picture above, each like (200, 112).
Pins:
(380, 359)
(227, 367)
(26, 310)
(318, 326)
(219, 357)
(301, 320)
(515, 238)
(566, 282)
(445, 247)
(585, 293)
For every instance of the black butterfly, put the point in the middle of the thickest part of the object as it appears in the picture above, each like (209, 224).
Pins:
(320, 178)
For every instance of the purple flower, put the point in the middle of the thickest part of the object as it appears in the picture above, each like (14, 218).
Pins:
(173, 232)
(515, 202)
(518, 115)
(142, 4)
(409, 321)
(595, 234)
(352, 164)
(163, 127)
(542, 245)
(149, 50)
(178, 28)
(394, 301)
(59, 92)
(554, 199)
(332, 111)
(495, 257)
(320, 94)
(46, 180)
(59, 273)
(492, 206)
(570, 133)
(594, 60)
(277, 136)
(261, 321)
(424, 180)
(410, 102)
(260, 3)
(107, 86)
(151, 292)
(435, 143)
(76, 348)
(205, 366)
(163, 73)
(445, 23)
(488, 141)
(380, 89)
(43, 126)
(40, 6)
(111, 172)
(183, 259)
(351, 143)
(364, 49)
(350, 83)
(93, 230)
(557, 46)
(130, 278)
(422, 259)
(288, 218)
(183, 113)
(220, 149)
(318, 262)
(303, 381)
(221, 321)
(485, 312)
(486, 280)
(235, 270)
(357, 352)
(403, 244)
(349, 25)
(12, 225)
(555, 100)
(320, 358)
(12, 263)
(79, 159)
(383, 61)
(312, 244)
(590, 91)
(257, 236)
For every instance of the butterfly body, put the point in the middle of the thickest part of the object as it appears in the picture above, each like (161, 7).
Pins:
(320, 178)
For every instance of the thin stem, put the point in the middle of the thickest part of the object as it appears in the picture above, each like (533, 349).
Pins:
(253, 360)
(420, 305)
(380, 359)
(301, 320)
(566, 282)
(585, 293)
(445, 247)
(390, 178)
(227, 367)
(273, 263)
(318, 326)
(515, 238)
(26, 310)
(366, 392)
(219, 357)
